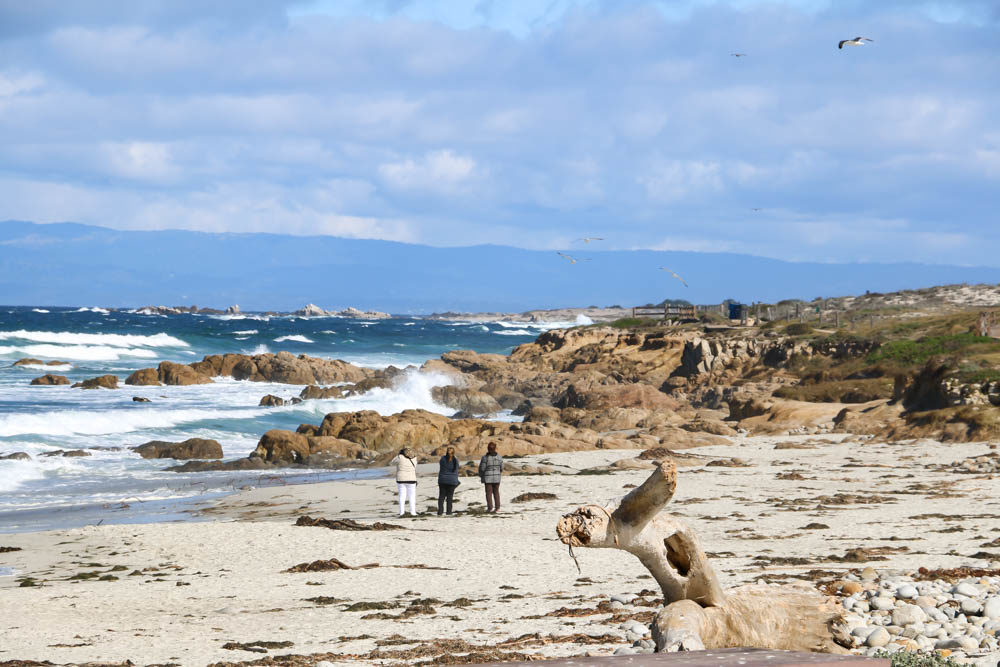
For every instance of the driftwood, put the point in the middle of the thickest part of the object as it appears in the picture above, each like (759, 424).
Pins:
(697, 613)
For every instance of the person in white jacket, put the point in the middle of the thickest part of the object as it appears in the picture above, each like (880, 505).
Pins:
(406, 479)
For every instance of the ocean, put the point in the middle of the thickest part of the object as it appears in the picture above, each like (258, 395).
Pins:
(115, 485)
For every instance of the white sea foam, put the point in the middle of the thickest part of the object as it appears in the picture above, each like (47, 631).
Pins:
(79, 352)
(46, 367)
(72, 338)
(260, 349)
(296, 339)
(409, 324)
(514, 332)
(94, 309)
(115, 420)
(39, 310)
(328, 331)
(248, 332)
(259, 318)
(243, 338)
(583, 320)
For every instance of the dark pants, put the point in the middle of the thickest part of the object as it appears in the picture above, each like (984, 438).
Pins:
(492, 496)
(446, 492)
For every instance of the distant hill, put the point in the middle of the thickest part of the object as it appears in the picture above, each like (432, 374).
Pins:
(81, 265)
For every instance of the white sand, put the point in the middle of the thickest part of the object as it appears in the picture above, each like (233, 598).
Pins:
(236, 590)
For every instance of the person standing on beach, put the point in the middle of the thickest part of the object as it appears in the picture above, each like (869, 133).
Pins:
(406, 480)
(447, 480)
(490, 470)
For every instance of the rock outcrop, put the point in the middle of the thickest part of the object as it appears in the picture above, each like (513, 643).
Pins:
(103, 381)
(50, 379)
(192, 448)
(30, 361)
(271, 401)
(469, 401)
(282, 367)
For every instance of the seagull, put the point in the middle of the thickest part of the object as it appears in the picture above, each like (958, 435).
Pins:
(663, 268)
(756, 209)
(573, 260)
(588, 239)
(737, 55)
(857, 41)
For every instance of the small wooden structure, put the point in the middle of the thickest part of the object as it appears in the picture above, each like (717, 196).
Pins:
(988, 325)
(666, 312)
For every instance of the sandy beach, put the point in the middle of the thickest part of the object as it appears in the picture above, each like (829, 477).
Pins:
(178, 593)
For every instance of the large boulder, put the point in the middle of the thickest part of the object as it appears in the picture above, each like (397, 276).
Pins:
(143, 377)
(192, 448)
(271, 401)
(602, 397)
(469, 401)
(314, 392)
(280, 446)
(411, 428)
(103, 381)
(50, 379)
(31, 361)
(180, 374)
(16, 456)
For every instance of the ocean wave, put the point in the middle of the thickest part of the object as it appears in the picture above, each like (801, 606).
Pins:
(409, 324)
(295, 339)
(248, 332)
(39, 310)
(44, 367)
(73, 338)
(583, 320)
(94, 309)
(514, 332)
(259, 318)
(260, 349)
(79, 352)
(105, 422)
(328, 331)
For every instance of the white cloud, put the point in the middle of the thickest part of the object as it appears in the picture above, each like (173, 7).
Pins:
(668, 181)
(437, 171)
(140, 161)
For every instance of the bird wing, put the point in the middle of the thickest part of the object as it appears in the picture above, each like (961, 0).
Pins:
(562, 254)
(867, 39)
(679, 278)
(840, 44)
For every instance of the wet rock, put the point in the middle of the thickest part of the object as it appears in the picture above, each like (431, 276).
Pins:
(144, 377)
(250, 463)
(16, 456)
(29, 361)
(103, 381)
(315, 392)
(50, 379)
(271, 401)
(280, 446)
(193, 448)
(170, 373)
(140, 399)
(68, 453)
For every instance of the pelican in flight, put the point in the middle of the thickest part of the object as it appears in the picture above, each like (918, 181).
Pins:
(663, 268)
(588, 239)
(857, 41)
(737, 55)
(572, 260)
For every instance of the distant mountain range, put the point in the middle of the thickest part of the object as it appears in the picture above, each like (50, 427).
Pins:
(70, 264)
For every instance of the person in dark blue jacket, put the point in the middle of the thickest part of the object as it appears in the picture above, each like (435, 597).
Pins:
(447, 480)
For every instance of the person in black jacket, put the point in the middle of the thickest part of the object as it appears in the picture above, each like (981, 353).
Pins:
(447, 480)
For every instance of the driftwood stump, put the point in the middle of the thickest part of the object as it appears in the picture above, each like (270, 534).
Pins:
(697, 613)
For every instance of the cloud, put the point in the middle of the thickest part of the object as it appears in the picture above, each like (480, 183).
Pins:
(513, 122)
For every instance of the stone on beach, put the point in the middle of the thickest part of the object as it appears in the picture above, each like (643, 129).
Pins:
(192, 448)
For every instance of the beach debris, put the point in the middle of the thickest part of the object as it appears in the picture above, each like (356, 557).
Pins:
(5, 550)
(698, 614)
(345, 524)
(256, 647)
(326, 565)
(525, 497)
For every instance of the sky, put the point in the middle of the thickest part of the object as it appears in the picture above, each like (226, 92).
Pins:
(529, 124)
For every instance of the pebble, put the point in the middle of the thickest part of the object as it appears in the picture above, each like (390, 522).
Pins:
(966, 589)
(616, 605)
(624, 599)
(992, 607)
(625, 650)
(878, 637)
(970, 606)
(882, 603)
(907, 592)
(960, 643)
(908, 614)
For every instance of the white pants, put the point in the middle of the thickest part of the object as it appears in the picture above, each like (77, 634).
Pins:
(404, 491)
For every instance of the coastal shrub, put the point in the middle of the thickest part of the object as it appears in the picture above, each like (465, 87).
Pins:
(914, 659)
(798, 329)
(980, 376)
(914, 352)
(838, 391)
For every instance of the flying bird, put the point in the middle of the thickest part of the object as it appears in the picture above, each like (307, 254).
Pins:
(572, 260)
(857, 41)
(756, 209)
(663, 268)
(737, 55)
(588, 239)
